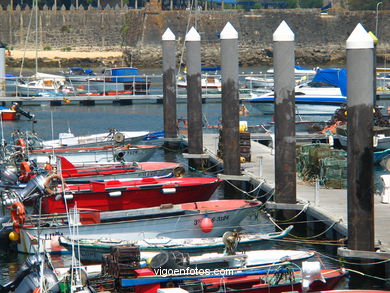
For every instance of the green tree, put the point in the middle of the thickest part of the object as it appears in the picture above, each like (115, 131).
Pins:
(311, 3)
(363, 4)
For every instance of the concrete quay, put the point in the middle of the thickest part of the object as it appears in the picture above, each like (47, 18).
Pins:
(326, 205)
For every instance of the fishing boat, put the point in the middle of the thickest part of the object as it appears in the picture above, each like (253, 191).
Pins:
(381, 138)
(68, 139)
(188, 220)
(119, 79)
(98, 154)
(322, 96)
(14, 112)
(103, 172)
(8, 114)
(130, 194)
(208, 81)
(93, 250)
(86, 172)
(274, 279)
(43, 83)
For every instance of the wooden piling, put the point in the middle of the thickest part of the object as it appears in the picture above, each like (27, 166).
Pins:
(194, 97)
(360, 50)
(285, 143)
(169, 86)
(230, 106)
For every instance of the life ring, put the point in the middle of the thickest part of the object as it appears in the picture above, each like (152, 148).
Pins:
(25, 171)
(18, 215)
(48, 184)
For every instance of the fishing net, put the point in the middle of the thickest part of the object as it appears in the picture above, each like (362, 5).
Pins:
(323, 162)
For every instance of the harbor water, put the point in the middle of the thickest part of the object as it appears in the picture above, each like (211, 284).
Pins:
(84, 120)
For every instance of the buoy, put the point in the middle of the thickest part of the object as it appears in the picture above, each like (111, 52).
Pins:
(13, 236)
(206, 224)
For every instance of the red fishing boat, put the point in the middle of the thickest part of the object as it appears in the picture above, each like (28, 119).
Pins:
(84, 172)
(131, 194)
(8, 114)
(266, 280)
(104, 172)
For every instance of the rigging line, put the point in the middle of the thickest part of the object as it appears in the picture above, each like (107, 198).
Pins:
(184, 43)
(353, 263)
(25, 43)
(292, 218)
(369, 276)
(302, 241)
(246, 192)
(298, 237)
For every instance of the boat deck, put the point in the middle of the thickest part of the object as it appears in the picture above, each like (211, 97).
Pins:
(326, 205)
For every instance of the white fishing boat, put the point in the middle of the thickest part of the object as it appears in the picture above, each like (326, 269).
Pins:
(208, 82)
(187, 220)
(43, 83)
(67, 139)
(249, 258)
(99, 154)
(93, 250)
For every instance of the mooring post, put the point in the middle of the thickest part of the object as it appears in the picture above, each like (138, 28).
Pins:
(194, 97)
(2, 70)
(284, 83)
(360, 50)
(169, 87)
(230, 103)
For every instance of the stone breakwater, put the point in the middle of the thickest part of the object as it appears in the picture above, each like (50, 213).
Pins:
(320, 39)
(151, 57)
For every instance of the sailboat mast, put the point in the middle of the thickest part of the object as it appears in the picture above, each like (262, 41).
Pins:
(36, 36)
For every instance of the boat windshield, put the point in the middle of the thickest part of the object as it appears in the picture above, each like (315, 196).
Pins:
(318, 84)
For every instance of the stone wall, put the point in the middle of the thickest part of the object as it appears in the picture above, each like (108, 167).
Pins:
(320, 38)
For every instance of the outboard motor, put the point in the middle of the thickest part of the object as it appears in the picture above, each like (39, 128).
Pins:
(17, 108)
(36, 184)
(28, 278)
(9, 175)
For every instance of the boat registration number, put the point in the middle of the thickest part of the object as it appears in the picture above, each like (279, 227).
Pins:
(213, 219)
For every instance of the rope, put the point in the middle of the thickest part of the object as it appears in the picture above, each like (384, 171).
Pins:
(288, 220)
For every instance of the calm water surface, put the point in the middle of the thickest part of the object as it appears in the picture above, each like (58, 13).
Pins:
(83, 120)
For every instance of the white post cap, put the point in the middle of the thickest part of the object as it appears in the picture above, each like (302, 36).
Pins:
(168, 35)
(283, 33)
(360, 39)
(192, 35)
(229, 32)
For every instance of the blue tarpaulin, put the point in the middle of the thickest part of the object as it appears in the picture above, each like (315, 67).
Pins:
(333, 76)
(326, 7)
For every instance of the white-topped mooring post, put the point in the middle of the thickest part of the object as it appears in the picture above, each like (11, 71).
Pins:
(194, 97)
(169, 85)
(2, 70)
(230, 100)
(360, 50)
(284, 90)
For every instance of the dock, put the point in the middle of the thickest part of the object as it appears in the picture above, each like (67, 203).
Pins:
(329, 206)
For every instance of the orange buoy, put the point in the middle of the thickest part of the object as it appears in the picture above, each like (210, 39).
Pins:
(206, 224)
